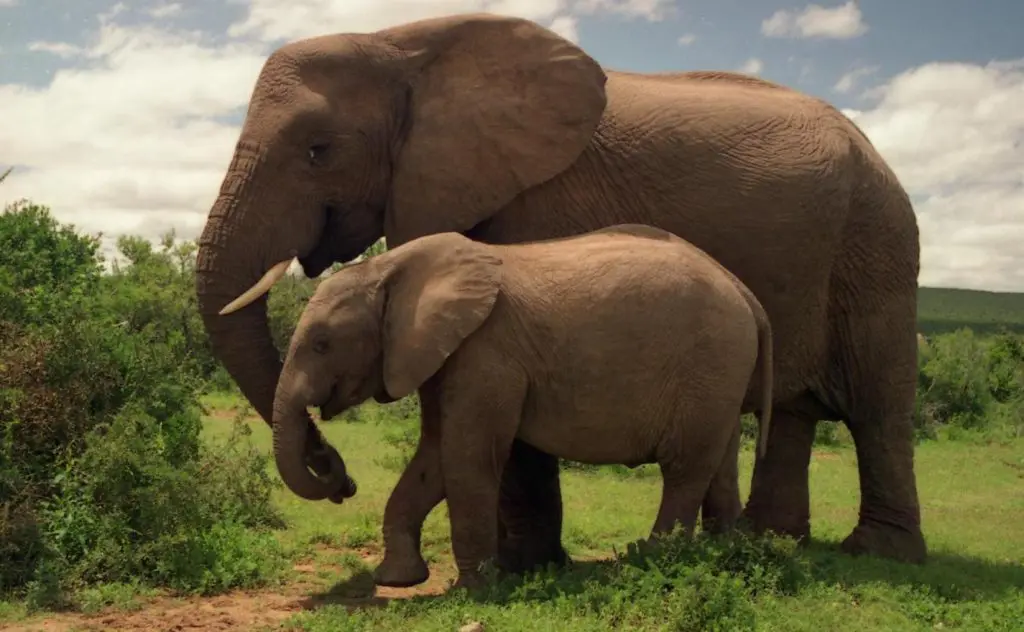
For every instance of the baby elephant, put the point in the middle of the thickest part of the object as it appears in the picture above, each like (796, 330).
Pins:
(623, 345)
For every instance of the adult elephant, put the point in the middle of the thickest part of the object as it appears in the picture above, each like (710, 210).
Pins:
(500, 129)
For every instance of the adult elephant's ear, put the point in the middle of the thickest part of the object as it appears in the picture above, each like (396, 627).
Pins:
(497, 105)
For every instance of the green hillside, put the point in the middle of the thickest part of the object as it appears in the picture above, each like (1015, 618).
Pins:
(943, 309)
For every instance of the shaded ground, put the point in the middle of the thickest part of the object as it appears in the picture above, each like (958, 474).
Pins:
(241, 610)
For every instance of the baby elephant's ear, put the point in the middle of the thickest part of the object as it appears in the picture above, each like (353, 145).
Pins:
(435, 299)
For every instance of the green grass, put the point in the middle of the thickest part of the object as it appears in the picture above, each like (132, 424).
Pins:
(972, 498)
(942, 310)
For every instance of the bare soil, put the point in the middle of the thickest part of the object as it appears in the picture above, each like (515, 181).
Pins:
(239, 610)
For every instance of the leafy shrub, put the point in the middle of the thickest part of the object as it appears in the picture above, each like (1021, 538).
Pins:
(103, 475)
(970, 384)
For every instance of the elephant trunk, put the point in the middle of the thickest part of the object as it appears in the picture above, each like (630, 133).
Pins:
(226, 265)
(290, 450)
(235, 251)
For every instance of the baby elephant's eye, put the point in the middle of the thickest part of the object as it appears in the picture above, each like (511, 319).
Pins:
(320, 346)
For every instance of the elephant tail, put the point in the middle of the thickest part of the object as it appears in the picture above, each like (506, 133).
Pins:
(764, 363)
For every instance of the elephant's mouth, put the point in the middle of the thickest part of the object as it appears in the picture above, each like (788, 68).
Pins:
(333, 406)
(322, 255)
(347, 232)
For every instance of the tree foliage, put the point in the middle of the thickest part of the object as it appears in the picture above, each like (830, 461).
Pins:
(102, 473)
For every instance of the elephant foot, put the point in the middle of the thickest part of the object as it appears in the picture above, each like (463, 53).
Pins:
(470, 580)
(522, 555)
(401, 571)
(887, 541)
(761, 522)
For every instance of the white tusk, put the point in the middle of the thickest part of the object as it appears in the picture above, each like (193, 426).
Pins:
(261, 287)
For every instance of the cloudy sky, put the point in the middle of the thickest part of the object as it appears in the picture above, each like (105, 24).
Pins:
(121, 116)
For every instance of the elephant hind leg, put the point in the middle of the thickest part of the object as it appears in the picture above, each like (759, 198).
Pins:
(881, 378)
(689, 464)
(721, 507)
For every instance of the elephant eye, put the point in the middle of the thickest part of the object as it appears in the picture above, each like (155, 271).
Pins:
(318, 152)
(320, 346)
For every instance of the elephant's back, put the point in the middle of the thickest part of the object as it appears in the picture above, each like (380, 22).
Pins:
(618, 284)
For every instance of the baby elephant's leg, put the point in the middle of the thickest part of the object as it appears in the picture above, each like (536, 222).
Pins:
(721, 508)
(419, 490)
(479, 428)
(689, 461)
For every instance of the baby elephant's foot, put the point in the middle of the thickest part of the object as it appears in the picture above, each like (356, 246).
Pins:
(401, 571)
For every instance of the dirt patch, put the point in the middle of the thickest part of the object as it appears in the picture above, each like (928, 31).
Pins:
(244, 610)
(825, 456)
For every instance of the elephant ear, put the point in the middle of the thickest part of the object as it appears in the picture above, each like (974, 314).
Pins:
(497, 105)
(436, 295)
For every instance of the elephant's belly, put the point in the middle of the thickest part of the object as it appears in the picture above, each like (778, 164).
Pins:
(594, 439)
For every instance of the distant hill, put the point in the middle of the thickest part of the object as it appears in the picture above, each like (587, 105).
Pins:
(941, 310)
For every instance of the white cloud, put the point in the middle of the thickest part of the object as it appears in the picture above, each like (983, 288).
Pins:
(954, 134)
(273, 20)
(8, 3)
(565, 25)
(60, 49)
(752, 66)
(166, 10)
(653, 10)
(111, 148)
(686, 39)
(816, 21)
(849, 80)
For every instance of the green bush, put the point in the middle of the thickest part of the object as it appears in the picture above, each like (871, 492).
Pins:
(970, 385)
(103, 476)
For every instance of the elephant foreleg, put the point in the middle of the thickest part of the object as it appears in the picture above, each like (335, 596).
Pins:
(779, 498)
(419, 490)
(530, 511)
(475, 446)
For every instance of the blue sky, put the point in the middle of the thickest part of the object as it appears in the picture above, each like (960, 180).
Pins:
(937, 60)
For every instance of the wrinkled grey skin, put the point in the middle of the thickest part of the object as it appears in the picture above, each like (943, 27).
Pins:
(506, 342)
(497, 128)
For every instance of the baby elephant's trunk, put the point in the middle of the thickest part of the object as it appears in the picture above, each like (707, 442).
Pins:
(294, 453)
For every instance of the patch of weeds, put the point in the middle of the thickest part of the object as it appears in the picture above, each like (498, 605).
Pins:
(403, 435)
(617, 470)
(122, 596)
(11, 611)
(352, 563)
(327, 539)
(362, 531)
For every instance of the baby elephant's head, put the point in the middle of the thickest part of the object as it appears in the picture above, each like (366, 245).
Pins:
(380, 329)
(335, 359)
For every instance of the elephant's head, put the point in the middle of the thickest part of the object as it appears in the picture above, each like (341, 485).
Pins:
(424, 128)
(379, 328)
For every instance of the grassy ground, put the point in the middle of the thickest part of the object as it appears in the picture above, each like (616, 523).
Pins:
(972, 499)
